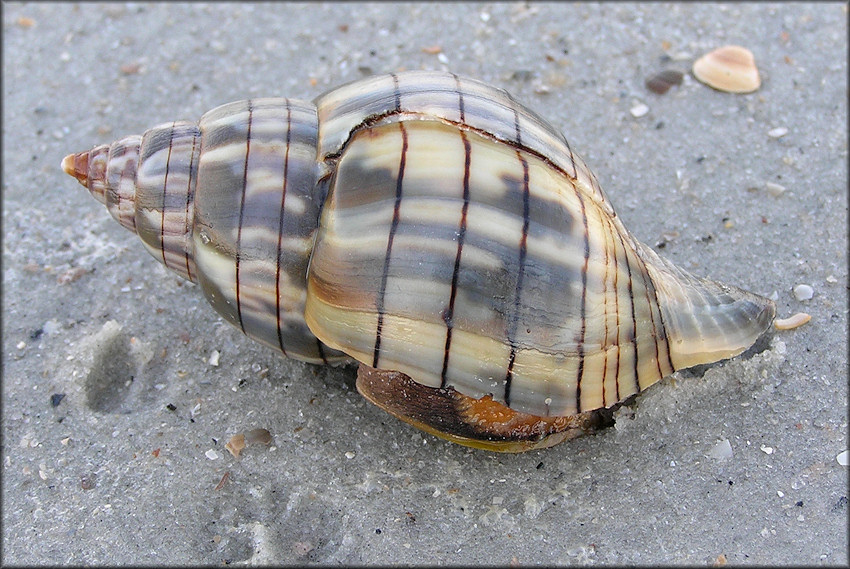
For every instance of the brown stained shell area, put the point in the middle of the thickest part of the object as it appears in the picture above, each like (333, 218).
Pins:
(479, 423)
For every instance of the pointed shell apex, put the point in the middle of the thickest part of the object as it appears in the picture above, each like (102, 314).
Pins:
(68, 164)
(77, 165)
(729, 68)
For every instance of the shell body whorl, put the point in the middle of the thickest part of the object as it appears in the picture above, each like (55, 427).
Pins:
(426, 224)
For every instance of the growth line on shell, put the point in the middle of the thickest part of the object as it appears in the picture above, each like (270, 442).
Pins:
(280, 225)
(190, 196)
(393, 228)
(580, 371)
(242, 210)
(460, 106)
(523, 248)
(659, 330)
(605, 341)
(634, 317)
(448, 314)
(165, 196)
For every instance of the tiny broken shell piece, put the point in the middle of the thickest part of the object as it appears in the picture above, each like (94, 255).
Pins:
(258, 436)
(792, 322)
(240, 440)
(730, 68)
(661, 82)
(236, 444)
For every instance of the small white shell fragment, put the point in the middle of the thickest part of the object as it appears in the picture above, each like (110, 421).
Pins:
(778, 132)
(722, 450)
(21, 345)
(803, 292)
(214, 357)
(211, 454)
(780, 493)
(831, 279)
(729, 68)
(774, 189)
(766, 449)
(639, 110)
(842, 458)
(792, 322)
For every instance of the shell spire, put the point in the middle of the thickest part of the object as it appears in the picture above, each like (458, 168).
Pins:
(148, 183)
(108, 172)
(226, 202)
(77, 165)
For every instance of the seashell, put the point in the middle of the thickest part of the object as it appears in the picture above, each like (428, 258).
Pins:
(730, 68)
(437, 232)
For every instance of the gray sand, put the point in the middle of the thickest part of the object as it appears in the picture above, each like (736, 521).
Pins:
(128, 471)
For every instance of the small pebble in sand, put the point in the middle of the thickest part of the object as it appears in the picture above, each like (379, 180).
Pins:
(639, 110)
(774, 189)
(215, 356)
(803, 292)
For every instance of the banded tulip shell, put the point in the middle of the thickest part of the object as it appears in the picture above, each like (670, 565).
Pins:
(436, 231)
